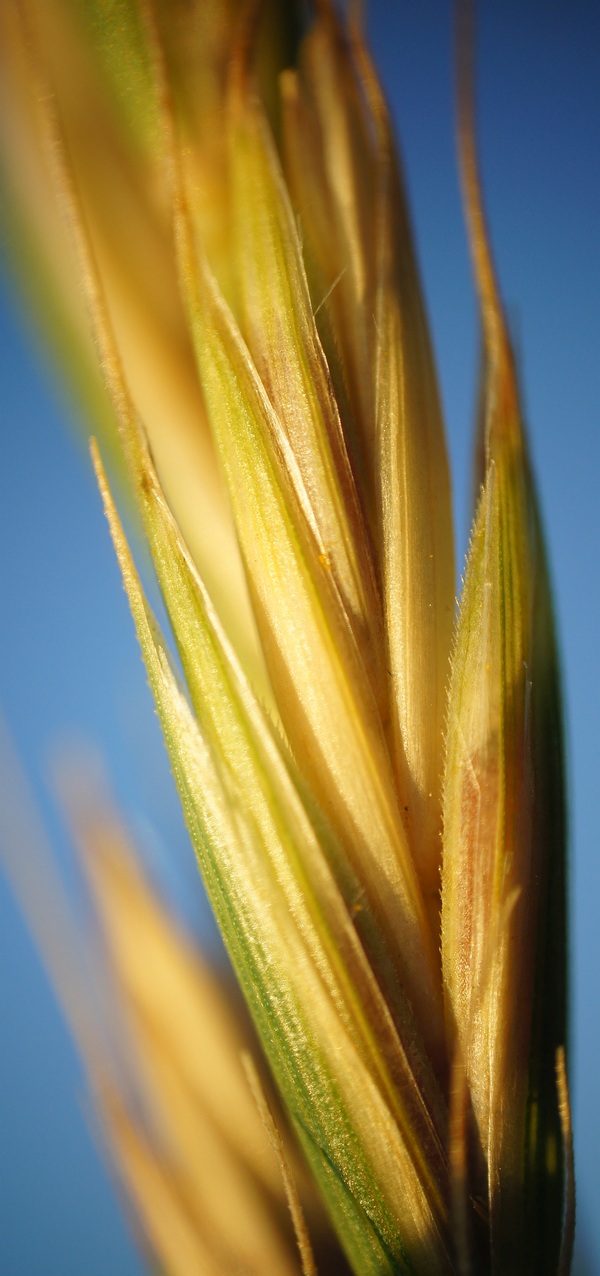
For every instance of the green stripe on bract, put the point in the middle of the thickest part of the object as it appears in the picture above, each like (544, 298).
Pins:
(320, 1072)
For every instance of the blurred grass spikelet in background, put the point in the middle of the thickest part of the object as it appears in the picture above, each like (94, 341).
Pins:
(373, 789)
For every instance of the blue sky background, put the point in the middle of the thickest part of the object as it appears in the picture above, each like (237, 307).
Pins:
(68, 657)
